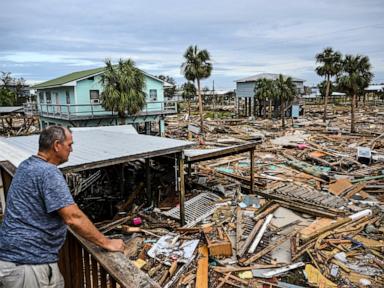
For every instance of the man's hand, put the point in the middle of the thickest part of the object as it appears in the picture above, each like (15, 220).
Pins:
(80, 224)
(114, 245)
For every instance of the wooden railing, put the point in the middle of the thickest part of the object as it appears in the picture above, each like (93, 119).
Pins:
(84, 265)
(80, 268)
(90, 111)
(30, 109)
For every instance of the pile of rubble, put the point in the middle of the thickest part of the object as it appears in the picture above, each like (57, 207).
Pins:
(316, 218)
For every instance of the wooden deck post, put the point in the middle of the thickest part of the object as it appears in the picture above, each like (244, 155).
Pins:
(148, 180)
(180, 161)
(252, 156)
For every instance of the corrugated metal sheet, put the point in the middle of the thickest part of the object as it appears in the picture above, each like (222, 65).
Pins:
(96, 145)
(11, 153)
(199, 152)
(126, 129)
(11, 109)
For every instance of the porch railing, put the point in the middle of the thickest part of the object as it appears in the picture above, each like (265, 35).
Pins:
(75, 111)
(30, 108)
(85, 265)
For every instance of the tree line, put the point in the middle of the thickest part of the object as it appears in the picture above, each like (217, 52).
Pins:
(124, 83)
(11, 90)
(350, 74)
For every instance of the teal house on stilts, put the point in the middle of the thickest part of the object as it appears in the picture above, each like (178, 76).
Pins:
(74, 100)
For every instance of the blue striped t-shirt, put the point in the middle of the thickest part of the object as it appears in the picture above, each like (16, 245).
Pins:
(32, 231)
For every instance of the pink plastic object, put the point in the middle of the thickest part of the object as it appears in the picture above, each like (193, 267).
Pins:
(302, 146)
(136, 221)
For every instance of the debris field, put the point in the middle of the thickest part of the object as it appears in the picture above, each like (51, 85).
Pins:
(315, 219)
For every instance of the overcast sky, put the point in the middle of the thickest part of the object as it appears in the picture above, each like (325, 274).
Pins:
(44, 39)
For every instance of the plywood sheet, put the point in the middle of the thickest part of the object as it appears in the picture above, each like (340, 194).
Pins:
(339, 186)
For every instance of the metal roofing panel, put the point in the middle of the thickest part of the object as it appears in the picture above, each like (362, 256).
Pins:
(10, 109)
(127, 129)
(11, 153)
(101, 146)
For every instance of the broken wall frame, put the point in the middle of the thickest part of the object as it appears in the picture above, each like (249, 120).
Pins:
(233, 150)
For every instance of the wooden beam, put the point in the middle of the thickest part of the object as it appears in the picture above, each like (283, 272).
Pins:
(250, 237)
(180, 160)
(202, 268)
(252, 156)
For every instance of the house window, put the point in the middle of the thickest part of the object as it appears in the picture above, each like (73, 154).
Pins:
(67, 97)
(153, 94)
(48, 97)
(95, 96)
(41, 97)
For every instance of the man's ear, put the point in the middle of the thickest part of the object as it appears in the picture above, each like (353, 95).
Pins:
(56, 145)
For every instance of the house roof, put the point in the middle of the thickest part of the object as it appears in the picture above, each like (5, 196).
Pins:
(10, 109)
(270, 76)
(68, 78)
(375, 87)
(93, 148)
(75, 76)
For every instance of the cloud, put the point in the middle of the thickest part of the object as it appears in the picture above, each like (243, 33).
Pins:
(43, 39)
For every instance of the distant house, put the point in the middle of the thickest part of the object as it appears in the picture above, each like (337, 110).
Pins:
(245, 91)
(74, 100)
(245, 86)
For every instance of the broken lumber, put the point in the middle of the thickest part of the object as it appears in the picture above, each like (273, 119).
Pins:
(202, 268)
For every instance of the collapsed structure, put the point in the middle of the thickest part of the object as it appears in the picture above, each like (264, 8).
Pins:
(263, 207)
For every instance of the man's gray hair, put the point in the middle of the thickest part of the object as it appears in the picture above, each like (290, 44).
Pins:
(49, 135)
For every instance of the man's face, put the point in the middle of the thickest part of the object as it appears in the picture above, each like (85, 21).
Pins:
(65, 148)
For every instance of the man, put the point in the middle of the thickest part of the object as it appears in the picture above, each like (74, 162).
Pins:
(39, 208)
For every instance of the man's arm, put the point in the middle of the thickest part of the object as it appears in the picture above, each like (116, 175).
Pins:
(80, 223)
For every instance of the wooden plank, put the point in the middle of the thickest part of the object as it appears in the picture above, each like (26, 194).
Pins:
(202, 268)
(76, 259)
(222, 153)
(95, 273)
(181, 189)
(103, 278)
(267, 211)
(87, 269)
(239, 229)
(356, 189)
(252, 156)
(112, 282)
(315, 226)
(268, 249)
(323, 229)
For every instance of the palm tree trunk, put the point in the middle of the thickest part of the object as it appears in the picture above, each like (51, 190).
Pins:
(353, 113)
(326, 100)
(189, 108)
(264, 108)
(122, 118)
(282, 108)
(270, 109)
(200, 107)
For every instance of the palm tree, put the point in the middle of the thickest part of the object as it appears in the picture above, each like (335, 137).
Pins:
(124, 86)
(197, 66)
(286, 90)
(264, 91)
(354, 78)
(330, 65)
(189, 92)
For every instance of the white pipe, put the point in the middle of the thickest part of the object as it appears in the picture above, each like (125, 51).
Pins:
(360, 214)
(260, 233)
